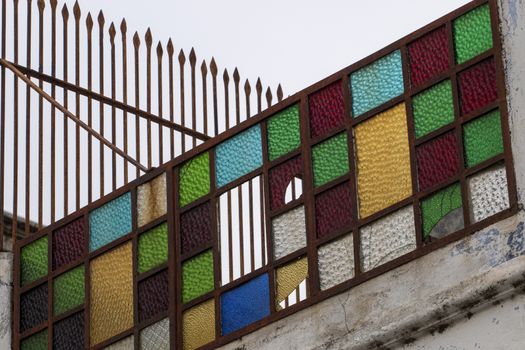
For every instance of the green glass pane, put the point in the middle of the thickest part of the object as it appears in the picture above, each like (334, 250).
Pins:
(197, 276)
(472, 34)
(33, 261)
(482, 139)
(153, 248)
(433, 108)
(194, 179)
(68, 290)
(35, 342)
(330, 159)
(440, 207)
(283, 132)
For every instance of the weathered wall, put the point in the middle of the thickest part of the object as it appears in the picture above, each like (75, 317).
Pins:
(6, 286)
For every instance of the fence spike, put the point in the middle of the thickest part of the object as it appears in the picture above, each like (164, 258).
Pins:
(213, 67)
(89, 22)
(269, 96)
(123, 26)
(160, 51)
(236, 76)
(41, 5)
(192, 57)
(148, 38)
(136, 40)
(170, 48)
(65, 13)
(247, 87)
(54, 4)
(204, 68)
(226, 76)
(76, 10)
(101, 19)
(279, 93)
(112, 33)
(182, 57)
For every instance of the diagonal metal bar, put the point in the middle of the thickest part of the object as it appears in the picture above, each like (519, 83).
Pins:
(50, 99)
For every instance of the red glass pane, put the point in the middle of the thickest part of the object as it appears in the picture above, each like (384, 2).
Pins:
(327, 109)
(153, 295)
(333, 210)
(428, 56)
(280, 177)
(477, 87)
(68, 243)
(195, 226)
(437, 161)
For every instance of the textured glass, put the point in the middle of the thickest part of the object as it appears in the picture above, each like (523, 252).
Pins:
(289, 232)
(488, 193)
(245, 304)
(156, 336)
(68, 290)
(336, 262)
(333, 210)
(472, 34)
(153, 295)
(152, 248)
(68, 243)
(124, 344)
(377, 83)
(388, 238)
(482, 138)
(330, 159)
(433, 108)
(33, 261)
(238, 156)
(477, 87)
(437, 160)
(111, 293)
(428, 56)
(442, 212)
(35, 342)
(110, 222)
(288, 278)
(68, 334)
(197, 276)
(198, 325)
(383, 161)
(196, 227)
(280, 178)
(152, 200)
(284, 134)
(194, 179)
(33, 308)
(327, 109)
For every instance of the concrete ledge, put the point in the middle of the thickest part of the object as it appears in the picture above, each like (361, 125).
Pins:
(6, 290)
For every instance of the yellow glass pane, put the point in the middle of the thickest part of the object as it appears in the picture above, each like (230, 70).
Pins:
(383, 161)
(289, 277)
(198, 325)
(111, 294)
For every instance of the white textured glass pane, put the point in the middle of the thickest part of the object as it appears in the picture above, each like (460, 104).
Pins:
(488, 193)
(336, 262)
(124, 344)
(156, 336)
(289, 232)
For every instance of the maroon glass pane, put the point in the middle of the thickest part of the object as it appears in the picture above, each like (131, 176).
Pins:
(327, 109)
(437, 160)
(68, 334)
(68, 243)
(153, 295)
(477, 87)
(280, 178)
(428, 56)
(195, 226)
(33, 308)
(333, 210)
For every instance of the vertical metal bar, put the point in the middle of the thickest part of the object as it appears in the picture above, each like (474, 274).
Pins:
(148, 39)
(112, 32)
(269, 97)
(76, 12)
(236, 79)
(89, 27)
(160, 53)
(28, 127)
(171, 94)
(247, 92)
(213, 70)
(53, 109)
(136, 46)
(182, 60)
(173, 247)
(2, 126)
(230, 236)
(226, 81)
(193, 59)
(241, 230)
(101, 22)
(258, 89)
(65, 18)
(177, 327)
(123, 30)
(41, 6)
(15, 125)
(204, 74)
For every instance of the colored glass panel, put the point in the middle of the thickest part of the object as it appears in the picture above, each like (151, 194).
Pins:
(288, 278)
(111, 293)
(198, 325)
(153, 295)
(284, 134)
(152, 200)
(330, 159)
(488, 193)
(110, 222)
(33, 261)
(238, 156)
(124, 344)
(336, 262)
(437, 160)
(68, 290)
(327, 109)
(68, 334)
(194, 179)
(477, 87)
(433, 108)
(153, 248)
(68, 243)
(37, 341)
(156, 336)
(333, 210)
(33, 308)
(377, 83)
(196, 227)
(245, 304)
(197, 276)
(482, 138)
(280, 178)
(383, 161)
(428, 56)
(472, 34)
(442, 212)
(289, 232)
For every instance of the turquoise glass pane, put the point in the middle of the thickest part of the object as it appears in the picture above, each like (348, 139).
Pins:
(110, 222)
(238, 156)
(377, 83)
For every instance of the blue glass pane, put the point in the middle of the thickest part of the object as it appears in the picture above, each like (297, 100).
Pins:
(238, 156)
(377, 83)
(245, 305)
(109, 222)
